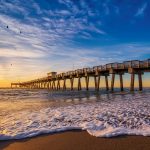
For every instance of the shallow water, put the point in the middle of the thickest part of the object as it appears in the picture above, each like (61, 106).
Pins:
(26, 113)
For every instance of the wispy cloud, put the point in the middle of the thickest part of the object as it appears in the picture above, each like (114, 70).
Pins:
(106, 8)
(32, 35)
(140, 11)
(15, 7)
(20, 53)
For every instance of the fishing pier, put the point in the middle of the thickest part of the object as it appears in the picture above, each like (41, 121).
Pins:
(52, 80)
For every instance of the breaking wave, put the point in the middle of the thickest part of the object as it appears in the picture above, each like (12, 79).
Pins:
(127, 114)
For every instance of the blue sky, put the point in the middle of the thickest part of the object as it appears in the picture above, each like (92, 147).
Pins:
(59, 35)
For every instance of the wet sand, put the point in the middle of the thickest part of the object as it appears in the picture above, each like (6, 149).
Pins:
(77, 140)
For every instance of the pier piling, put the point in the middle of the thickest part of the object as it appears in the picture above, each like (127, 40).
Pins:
(112, 82)
(106, 82)
(87, 82)
(140, 81)
(121, 82)
(132, 82)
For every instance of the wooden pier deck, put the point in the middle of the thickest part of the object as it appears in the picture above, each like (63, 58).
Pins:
(52, 80)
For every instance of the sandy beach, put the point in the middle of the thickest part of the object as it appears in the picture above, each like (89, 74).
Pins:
(81, 140)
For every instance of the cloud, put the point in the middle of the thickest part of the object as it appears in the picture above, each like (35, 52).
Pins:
(106, 9)
(116, 9)
(41, 37)
(140, 11)
(15, 7)
(37, 8)
(20, 53)
(82, 57)
(49, 38)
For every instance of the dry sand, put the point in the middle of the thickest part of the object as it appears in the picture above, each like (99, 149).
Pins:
(77, 140)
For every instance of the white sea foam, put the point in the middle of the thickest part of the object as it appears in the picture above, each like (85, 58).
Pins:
(130, 115)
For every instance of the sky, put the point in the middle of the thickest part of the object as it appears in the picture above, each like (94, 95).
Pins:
(40, 36)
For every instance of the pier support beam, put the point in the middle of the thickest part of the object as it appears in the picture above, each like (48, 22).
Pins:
(87, 82)
(140, 81)
(79, 84)
(112, 82)
(40, 84)
(53, 85)
(47, 84)
(44, 85)
(50, 85)
(95, 81)
(64, 84)
(121, 81)
(106, 81)
(132, 82)
(71, 82)
(58, 85)
(98, 82)
(37, 85)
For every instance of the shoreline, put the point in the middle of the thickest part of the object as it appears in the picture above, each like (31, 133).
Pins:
(77, 140)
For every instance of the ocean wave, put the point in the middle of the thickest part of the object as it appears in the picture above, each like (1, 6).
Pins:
(129, 115)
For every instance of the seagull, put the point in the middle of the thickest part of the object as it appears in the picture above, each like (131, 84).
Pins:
(7, 27)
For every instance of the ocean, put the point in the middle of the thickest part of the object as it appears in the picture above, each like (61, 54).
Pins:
(30, 112)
